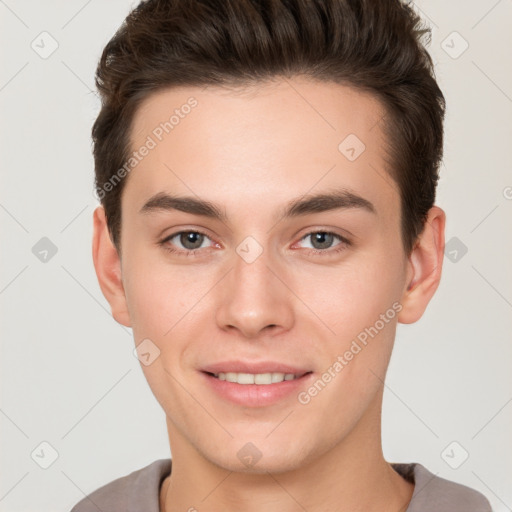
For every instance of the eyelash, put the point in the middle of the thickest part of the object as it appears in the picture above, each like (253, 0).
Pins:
(190, 252)
(194, 252)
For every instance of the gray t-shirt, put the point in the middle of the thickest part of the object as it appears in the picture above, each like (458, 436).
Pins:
(140, 491)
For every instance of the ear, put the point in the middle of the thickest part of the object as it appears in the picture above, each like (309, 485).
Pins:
(107, 264)
(424, 267)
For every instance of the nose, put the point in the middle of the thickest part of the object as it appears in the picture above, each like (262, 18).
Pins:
(254, 298)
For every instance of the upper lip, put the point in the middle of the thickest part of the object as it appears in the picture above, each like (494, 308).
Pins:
(253, 367)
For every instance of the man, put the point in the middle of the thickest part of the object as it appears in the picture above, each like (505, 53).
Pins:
(267, 174)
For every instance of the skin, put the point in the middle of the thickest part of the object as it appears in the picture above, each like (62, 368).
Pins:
(252, 151)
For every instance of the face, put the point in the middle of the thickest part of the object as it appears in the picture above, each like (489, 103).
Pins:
(253, 278)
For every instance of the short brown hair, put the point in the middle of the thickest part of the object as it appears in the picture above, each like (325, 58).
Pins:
(373, 45)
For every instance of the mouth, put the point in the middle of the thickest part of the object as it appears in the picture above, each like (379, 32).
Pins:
(255, 385)
(263, 379)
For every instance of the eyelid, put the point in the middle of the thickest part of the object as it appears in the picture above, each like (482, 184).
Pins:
(169, 237)
(342, 233)
(344, 242)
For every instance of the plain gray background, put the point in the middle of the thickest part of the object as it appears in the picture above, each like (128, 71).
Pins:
(69, 376)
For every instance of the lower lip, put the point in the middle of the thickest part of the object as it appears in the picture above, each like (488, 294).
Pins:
(256, 395)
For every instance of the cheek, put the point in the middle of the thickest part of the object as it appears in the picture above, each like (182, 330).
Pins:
(159, 295)
(360, 304)
(163, 303)
(351, 297)
(168, 304)
(362, 313)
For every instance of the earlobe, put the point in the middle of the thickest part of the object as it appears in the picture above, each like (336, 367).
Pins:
(108, 268)
(425, 266)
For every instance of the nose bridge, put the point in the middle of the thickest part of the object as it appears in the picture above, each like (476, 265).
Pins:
(253, 297)
(252, 278)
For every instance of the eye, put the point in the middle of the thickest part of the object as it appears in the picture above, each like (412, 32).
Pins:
(186, 241)
(322, 241)
(189, 242)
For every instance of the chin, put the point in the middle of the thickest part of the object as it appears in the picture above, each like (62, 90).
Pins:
(260, 456)
(280, 463)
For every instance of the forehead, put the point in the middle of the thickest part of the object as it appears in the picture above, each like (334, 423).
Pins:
(270, 141)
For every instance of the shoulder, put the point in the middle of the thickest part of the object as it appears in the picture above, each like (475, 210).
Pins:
(433, 493)
(136, 491)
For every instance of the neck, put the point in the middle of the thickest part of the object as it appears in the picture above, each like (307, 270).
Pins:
(351, 476)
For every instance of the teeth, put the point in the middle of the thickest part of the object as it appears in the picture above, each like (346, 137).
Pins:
(255, 378)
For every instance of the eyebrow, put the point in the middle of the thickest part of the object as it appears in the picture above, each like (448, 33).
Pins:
(326, 201)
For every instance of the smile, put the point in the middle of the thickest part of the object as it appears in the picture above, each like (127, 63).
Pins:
(255, 378)
(256, 389)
